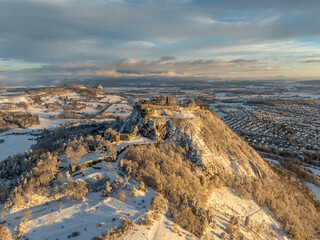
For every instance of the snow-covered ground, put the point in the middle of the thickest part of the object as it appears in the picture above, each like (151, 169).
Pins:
(91, 156)
(315, 189)
(174, 114)
(47, 222)
(134, 141)
(110, 99)
(59, 218)
(226, 203)
(19, 140)
(120, 109)
(14, 144)
(163, 229)
(315, 170)
(273, 161)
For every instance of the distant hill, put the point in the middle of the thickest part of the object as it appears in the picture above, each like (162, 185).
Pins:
(310, 82)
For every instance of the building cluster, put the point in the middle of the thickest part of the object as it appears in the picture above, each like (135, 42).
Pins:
(283, 127)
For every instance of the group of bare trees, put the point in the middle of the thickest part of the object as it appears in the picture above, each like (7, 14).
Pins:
(36, 173)
(76, 148)
(165, 167)
(12, 120)
(281, 192)
(126, 227)
(36, 182)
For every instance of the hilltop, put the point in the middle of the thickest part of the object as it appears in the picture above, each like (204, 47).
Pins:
(170, 170)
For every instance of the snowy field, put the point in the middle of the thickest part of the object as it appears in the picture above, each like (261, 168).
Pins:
(120, 109)
(14, 144)
(226, 203)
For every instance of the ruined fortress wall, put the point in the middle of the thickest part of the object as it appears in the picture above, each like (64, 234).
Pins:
(143, 106)
(160, 107)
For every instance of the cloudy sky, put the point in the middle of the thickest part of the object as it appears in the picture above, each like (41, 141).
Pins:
(123, 39)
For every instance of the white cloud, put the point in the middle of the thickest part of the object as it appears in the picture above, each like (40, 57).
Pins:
(205, 20)
(140, 44)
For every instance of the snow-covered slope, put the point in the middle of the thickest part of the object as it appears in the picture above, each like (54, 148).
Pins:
(215, 146)
(226, 203)
(59, 218)
(218, 153)
(221, 153)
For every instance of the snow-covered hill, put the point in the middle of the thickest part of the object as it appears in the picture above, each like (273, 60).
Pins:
(239, 195)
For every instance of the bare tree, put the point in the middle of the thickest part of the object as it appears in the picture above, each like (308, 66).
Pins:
(5, 233)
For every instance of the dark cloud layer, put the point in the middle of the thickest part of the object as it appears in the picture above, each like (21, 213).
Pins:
(164, 67)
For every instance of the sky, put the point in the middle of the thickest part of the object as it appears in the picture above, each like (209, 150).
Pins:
(63, 40)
